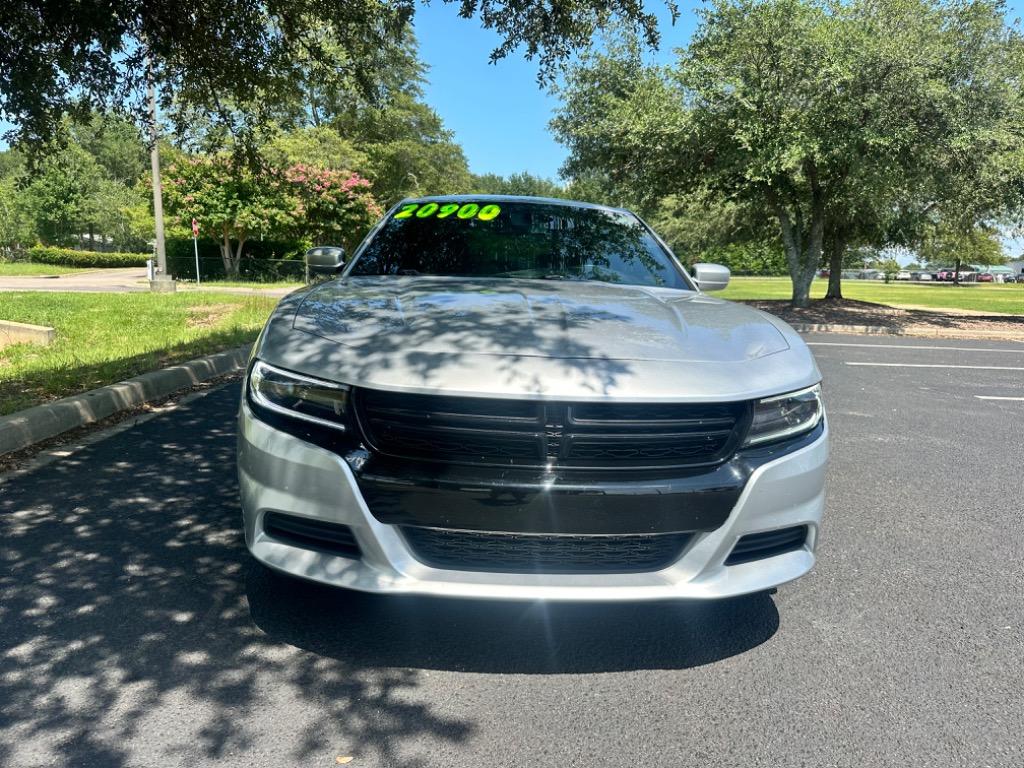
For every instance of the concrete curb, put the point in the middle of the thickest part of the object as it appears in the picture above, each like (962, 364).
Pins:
(839, 328)
(33, 425)
(918, 331)
(17, 333)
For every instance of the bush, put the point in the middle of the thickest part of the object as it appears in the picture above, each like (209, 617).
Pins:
(65, 257)
(263, 260)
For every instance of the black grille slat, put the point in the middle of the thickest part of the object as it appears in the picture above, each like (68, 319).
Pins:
(446, 441)
(312, 534)
(757, 546)
(546, 434)
(540, 553)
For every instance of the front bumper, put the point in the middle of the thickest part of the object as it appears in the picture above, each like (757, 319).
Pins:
(282, 473)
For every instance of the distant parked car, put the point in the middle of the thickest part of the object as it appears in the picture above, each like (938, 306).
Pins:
(1012, 279)
(903, 275)
(985, 277)
(924, 276)
(946, 273)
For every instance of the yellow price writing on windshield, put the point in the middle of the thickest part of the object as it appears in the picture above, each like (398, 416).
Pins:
(464, 211)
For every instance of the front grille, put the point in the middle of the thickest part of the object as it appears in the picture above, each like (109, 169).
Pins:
(538, 434)
(311, 534)
(544, 553)
(757, 546)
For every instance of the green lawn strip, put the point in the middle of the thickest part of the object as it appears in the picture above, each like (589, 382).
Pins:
(104, 338)
(980, 298)
(28, 269)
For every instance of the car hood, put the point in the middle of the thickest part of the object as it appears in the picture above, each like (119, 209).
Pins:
(515, 337)
(537, 318)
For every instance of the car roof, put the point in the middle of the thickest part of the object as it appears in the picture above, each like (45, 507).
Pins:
(511, 199)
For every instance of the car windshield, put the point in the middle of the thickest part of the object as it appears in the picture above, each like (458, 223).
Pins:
(502, 239)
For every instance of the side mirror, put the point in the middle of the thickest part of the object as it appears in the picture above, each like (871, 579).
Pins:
(710, 277)
(325, 260)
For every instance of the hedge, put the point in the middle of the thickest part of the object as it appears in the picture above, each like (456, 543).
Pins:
(254, 270)
(262, 260)
(66, 257)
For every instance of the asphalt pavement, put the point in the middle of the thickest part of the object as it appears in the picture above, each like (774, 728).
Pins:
(127, 280)
(136, 631)
(121, 280)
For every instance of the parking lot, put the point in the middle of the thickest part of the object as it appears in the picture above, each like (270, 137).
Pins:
(136, 631)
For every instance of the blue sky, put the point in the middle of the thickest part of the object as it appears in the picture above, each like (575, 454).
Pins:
(498, 112)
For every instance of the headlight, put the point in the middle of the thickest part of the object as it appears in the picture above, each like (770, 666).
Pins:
(301, 397)
(785, 415)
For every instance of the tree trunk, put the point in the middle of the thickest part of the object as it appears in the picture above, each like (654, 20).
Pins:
(802, 257)
(803, 254)
(835, 267)
(225, 251)
(956, 272)
(238, 255)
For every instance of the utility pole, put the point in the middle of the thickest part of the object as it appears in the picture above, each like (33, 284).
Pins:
(163, 283)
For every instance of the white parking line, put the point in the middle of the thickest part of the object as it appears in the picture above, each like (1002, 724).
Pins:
(997, 397)
(940, 365)
(910, 346)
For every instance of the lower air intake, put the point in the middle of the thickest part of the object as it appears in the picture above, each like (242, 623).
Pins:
(544, 553)
(311, 534)
(757, 546)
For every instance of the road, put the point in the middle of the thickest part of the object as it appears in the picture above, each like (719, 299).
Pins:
(135, 631)
(127, 280)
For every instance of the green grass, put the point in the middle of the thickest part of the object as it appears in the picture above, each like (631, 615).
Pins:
(104, 338)
(25, 269)
(980, 298)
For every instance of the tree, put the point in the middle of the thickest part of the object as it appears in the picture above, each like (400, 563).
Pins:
(115, 143)
(949, 244)
(232, 201)
(517, 184)
(408, 149)
(235, 201)
(396, 140)
(17, 228)
(331, 206)
(62, 195)
(702, 227)
(320, 146)
(842, 120)
(85, 189)
(61, 58)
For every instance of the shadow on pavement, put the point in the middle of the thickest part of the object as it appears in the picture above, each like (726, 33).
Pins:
(504, 637)
(135, 628)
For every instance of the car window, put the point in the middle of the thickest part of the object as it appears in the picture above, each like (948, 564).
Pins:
(518, 240)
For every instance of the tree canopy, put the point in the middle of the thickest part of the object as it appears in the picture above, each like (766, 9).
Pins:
(855, 123)
(517, 184)
(86, 189)
(59, 58)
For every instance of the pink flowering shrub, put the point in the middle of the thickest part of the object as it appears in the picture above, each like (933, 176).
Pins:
(336, 206)
(234, 203)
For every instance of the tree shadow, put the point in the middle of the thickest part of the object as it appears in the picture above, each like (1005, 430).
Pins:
(133, 621)
(123, 612)
(893, 319)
